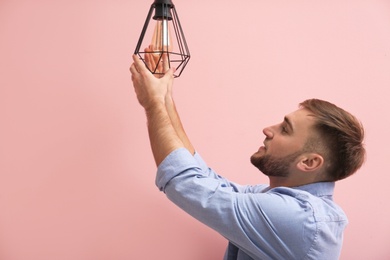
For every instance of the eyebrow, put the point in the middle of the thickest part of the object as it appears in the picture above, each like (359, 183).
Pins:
(288, 121)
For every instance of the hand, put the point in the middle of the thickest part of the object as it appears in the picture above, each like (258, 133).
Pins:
(161, 64)
(149, 89)
(156, 62)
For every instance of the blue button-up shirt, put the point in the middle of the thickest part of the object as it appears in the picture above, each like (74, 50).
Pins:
(259, 222)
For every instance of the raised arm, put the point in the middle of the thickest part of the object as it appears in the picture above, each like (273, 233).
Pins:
(176, 121)
(152, 61)
(151, 94)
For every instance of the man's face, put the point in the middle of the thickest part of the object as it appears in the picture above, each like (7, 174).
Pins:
(283, 144)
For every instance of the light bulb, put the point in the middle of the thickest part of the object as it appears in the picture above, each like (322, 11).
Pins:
(162, 39)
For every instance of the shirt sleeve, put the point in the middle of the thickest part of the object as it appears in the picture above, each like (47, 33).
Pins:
(175, 161)
(248, 219)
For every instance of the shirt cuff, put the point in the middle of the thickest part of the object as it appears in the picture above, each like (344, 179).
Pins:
(175, 163)
(202, 164)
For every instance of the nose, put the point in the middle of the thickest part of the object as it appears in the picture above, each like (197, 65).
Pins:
(268, 132)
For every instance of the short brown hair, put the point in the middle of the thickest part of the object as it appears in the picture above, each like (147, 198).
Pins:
(340, 138)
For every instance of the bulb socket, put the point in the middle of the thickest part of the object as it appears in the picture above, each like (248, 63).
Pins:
(163, 9)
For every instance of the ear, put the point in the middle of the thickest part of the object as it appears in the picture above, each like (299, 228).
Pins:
(310, 162)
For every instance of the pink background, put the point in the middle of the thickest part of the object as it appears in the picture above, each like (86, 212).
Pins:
(76, 171)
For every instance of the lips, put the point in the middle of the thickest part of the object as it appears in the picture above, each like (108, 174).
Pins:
(263, 147)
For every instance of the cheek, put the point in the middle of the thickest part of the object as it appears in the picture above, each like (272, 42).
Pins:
(284, 147)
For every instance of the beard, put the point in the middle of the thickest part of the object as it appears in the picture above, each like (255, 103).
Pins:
(274, 166)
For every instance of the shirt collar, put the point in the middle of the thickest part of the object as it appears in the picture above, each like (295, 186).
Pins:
(318, 188)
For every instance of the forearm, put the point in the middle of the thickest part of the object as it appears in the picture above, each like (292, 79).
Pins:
(162, 135)
(177, 124)
(166, 133)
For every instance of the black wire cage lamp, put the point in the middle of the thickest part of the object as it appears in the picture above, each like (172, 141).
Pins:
(164, 43)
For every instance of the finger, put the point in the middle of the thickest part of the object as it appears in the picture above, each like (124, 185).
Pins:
(139, 65)
(169, 73)
(165, 61)
(155, 58)
(149, 59)
(133, 69)
(152, 60)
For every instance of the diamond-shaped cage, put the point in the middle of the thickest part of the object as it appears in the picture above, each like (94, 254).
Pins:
(162, 40)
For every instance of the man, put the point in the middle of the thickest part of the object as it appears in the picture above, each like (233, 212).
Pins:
(294, 217)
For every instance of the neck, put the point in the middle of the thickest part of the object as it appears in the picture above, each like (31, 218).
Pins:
(288, 182)
(279, 182)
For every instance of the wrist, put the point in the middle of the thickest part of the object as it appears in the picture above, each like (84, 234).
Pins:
(154, 104)
(168, 97)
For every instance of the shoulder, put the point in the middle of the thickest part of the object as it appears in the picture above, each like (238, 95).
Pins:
(318, 197)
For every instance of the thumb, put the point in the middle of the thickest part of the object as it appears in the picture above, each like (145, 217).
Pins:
(169, 73)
